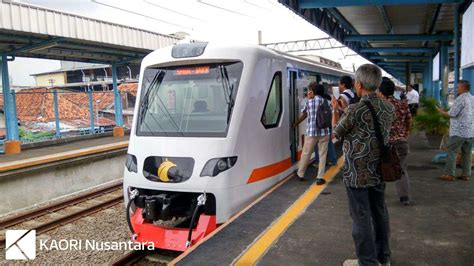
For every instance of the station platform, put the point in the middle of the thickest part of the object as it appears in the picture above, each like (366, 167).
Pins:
(54, 153)
(45, 173)
(299, 223)
(62, 147)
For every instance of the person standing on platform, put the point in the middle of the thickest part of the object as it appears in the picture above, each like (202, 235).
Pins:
(461, 133)
(331, 158)
(413, 100)
(314, 135)
(348, 96)
(362, 172)
(399, 136)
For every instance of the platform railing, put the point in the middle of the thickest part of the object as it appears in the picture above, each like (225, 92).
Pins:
(55, 114)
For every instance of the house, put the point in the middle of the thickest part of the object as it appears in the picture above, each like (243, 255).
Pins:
(76, 75)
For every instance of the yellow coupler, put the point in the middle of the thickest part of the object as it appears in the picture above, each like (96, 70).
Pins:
(12, 146)
(119, 132)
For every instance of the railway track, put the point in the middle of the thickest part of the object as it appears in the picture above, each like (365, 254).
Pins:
(157, 256)
(70, 217)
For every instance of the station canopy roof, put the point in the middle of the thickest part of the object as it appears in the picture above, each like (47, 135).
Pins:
(32, 31)
(389, 33)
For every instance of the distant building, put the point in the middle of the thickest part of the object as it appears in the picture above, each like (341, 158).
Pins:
(76, 75)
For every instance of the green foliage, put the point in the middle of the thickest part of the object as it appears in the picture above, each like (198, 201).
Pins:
(430, 120)
(34, 136)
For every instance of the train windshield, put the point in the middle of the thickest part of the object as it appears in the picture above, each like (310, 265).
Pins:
(188, 101)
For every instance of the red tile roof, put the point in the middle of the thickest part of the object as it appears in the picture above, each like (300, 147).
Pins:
(36, 105)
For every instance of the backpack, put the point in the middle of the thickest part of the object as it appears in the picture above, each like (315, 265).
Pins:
(352, 99)
(324, 115)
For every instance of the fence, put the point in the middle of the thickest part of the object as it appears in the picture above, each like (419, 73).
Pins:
(45, 114)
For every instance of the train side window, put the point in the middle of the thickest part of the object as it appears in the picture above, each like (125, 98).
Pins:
(273, 106)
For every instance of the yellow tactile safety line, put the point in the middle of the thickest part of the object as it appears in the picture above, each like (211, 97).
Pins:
(263, 243)
(61, 156)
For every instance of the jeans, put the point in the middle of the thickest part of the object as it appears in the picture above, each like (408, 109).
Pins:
(413, 108)
(403, 185)
(454, 143)
(331, 155)
(370, 224)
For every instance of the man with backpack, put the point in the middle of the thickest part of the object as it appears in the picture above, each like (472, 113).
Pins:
(348, 96)
(319, 114)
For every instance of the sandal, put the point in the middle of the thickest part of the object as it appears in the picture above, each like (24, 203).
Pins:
(463, 177)
(446, 177)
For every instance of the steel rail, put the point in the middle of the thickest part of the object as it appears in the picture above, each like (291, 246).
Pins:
(130, 258)
(58, 206)
(48, 226)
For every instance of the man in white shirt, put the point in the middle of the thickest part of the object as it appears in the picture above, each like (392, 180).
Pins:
(461, 133)
(345, 91)
(413, 99)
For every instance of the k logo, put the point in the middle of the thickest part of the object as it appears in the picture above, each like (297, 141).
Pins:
(20, 244)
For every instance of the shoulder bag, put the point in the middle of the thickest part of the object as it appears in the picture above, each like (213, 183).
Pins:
(390, 163)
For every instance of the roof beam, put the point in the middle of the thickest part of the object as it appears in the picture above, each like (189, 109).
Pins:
(385, 18)
(401, 64)
(341, 3)
(400, 57)
(396, 50)
(35, 47)
(305, 45)
(399, 37)
(434, 18)
(403, 67)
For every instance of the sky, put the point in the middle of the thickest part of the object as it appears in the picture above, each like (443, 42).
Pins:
(235, 21)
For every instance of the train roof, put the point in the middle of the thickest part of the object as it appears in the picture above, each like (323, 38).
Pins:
(215, 51)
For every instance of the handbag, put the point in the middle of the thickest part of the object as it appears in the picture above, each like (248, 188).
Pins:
(390, 163)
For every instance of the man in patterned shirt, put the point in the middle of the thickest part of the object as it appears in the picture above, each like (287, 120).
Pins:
(362, 169)
(313, 133)
(461, 133)
(399, 136)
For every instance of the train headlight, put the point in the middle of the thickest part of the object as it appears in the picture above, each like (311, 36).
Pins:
(222, 165)
(131, 163)
(215, 166)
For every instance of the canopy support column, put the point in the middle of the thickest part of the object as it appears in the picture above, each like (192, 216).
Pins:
(118, 130)
(407, 75)
(12, 145)
(456, 48)
(444, 73)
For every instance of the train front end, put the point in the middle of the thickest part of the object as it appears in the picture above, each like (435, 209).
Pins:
(179, 146)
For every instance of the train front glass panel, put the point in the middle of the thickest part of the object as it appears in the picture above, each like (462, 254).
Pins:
(188, 101)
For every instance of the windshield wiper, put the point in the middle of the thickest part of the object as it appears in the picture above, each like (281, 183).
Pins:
(228, 90)
(145, 100)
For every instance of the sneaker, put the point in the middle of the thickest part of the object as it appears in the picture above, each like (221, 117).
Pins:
(463, 177)
(352, 262)
(446, 178)
(320, 181)
(405, 201)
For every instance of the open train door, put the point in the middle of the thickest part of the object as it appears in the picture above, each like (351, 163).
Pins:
(294, 112)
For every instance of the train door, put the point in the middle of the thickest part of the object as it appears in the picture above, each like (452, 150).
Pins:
(293, 100)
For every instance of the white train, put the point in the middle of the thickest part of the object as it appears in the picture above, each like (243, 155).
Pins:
(211, 133)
